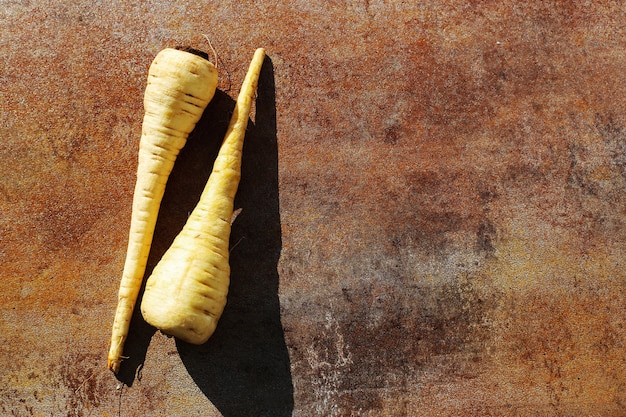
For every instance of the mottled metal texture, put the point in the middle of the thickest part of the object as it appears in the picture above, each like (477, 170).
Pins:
(433, 209)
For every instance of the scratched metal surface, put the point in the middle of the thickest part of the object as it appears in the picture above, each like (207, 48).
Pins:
(433, 209)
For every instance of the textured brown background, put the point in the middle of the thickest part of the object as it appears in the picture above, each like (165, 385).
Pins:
(433, 204)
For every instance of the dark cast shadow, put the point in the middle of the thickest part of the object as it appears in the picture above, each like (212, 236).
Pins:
(244, 368)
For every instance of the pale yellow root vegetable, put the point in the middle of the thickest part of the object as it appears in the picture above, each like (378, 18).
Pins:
(186, 293)
(180, 85)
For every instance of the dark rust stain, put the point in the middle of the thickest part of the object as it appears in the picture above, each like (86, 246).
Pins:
(614, 135)
(382, 336)
(434, 207)
(485, 237)
(391, 134)
(86, 389)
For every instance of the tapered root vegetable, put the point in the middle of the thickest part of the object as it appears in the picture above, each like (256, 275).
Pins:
(186, 293)
(180, 86)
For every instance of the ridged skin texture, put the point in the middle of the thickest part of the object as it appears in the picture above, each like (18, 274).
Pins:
(186, 293)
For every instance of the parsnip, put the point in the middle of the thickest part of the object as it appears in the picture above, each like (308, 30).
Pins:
(180, 85)
(186, 293)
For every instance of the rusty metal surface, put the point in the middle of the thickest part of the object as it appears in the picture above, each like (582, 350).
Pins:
(433, 209)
